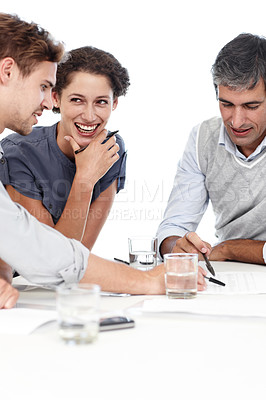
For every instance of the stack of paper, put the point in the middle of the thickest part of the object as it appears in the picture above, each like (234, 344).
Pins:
(238, 283)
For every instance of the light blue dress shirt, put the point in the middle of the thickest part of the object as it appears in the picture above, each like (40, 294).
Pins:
(36, 251)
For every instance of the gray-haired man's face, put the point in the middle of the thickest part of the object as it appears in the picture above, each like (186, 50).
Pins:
(244, 115)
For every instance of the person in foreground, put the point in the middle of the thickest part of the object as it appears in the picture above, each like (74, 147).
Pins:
(224, 162)
(41, 254)
(72, 192)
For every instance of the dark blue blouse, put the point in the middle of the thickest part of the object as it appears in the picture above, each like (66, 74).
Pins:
(36, 167)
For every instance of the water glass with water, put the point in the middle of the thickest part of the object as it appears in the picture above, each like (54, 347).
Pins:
(143, 252)
(78, 312)
(181, 275)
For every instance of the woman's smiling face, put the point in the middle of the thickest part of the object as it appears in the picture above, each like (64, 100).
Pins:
(85, 106)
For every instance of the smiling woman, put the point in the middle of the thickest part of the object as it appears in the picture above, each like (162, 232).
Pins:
(86, 105)
(69, 190)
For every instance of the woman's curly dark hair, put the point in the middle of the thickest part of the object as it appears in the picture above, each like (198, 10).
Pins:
(95, 61)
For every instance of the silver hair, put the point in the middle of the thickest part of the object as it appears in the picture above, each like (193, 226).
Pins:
(241, 63)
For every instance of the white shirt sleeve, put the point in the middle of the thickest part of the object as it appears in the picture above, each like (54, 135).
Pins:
(36, 251)
(264, 253)
(189, 198)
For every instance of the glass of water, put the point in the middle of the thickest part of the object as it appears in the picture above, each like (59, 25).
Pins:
(78, 312)
(142, 252)
(181, 275)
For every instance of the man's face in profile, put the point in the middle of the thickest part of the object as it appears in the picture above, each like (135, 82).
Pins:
(29, 96)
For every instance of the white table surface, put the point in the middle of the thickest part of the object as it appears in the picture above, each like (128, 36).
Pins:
(177, 356)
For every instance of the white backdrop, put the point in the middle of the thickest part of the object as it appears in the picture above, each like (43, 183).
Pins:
(168, 48)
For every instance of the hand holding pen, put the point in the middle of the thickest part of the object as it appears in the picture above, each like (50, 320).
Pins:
(109, 135)
(191, 243)
(194, 239)
(100, 155)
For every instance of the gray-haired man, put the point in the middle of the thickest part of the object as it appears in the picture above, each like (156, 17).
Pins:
(225, 162)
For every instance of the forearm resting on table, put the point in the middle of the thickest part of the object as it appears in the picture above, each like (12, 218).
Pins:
(119, 278)
(243, 250)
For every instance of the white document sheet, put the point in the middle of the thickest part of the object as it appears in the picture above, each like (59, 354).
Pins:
(23, 321)
(246, 301)
(238, 283)
(208, 305)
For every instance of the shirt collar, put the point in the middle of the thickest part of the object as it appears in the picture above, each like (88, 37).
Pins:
(224, 140)
(1, 152)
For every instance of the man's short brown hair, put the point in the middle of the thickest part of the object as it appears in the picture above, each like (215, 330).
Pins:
(27, 43)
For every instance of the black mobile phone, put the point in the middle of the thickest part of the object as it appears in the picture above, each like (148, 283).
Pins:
(111, 323)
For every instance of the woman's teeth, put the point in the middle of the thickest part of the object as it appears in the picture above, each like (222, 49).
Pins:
(86, 128)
